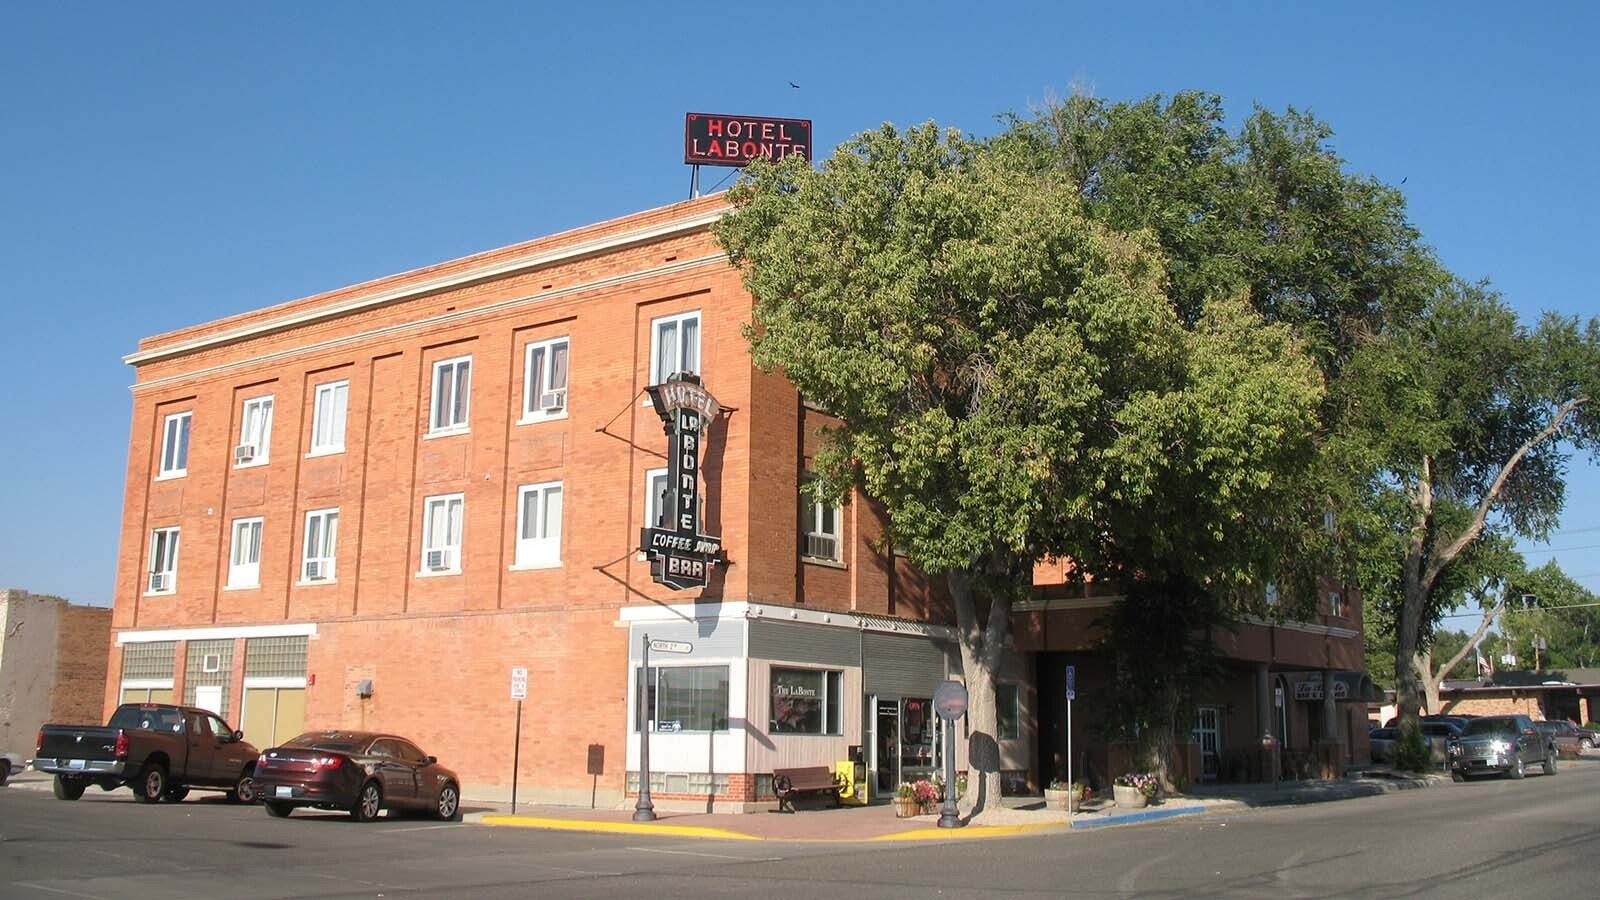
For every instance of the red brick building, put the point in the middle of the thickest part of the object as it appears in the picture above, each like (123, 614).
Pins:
(52, 664)
(366, 507)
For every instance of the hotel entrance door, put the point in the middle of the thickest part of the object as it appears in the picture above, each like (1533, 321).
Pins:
(904, 741)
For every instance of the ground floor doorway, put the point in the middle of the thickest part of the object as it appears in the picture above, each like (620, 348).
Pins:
(904, 741)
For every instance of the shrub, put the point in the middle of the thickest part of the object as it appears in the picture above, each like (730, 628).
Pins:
(1411, 752)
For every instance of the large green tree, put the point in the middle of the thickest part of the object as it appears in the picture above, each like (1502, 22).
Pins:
(1548, 605)
(1451, 426)
(1013, 379)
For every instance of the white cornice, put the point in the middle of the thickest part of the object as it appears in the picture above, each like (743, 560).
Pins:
(516, 266)
(1307, 627)
(690, 612)
(435, 321)
(1040, 605)
(207, 634)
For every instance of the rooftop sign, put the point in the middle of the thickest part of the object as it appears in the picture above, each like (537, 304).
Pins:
(717, 140)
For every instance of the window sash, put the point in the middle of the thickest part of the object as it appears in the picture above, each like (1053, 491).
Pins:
(545, 372)
(256, 428)
(539, 513)
(244, 562)
(805, 701)
(676, 346)
(695, 697)
(175, 444)
(164, 552)
(655, 489)
(452, 393)
(441, 528)
(322, 536)
(327, 428)
(1008, 724)
(820, 527)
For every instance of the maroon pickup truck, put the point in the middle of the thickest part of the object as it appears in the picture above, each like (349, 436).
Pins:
(159, 750)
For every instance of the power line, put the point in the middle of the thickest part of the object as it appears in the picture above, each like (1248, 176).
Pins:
(1562, 549)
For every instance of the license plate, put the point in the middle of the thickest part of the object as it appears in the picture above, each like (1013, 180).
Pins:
(285, 791)
(75, 764)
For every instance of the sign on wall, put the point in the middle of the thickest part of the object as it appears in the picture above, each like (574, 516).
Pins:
(680, 556)
(710, 139)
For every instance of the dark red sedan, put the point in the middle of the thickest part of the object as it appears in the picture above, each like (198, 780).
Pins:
(361, 772)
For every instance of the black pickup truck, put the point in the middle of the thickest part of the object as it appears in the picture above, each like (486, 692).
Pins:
(159, 750)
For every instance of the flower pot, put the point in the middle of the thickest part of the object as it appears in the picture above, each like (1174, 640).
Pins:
(1128, 797)
(906, 807)
(1062, 800)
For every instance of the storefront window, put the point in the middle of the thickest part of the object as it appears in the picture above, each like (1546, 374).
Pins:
(1007, 719)
(686, 698)
(917, 738)
(805, 701)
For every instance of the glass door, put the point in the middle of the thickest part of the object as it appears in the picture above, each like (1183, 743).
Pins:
(919, 739)
(886, 745)
(1208, 734)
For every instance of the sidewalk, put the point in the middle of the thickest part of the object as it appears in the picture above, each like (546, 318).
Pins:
(1017, 815)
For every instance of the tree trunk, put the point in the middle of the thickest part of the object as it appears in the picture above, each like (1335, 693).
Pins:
(981, 646)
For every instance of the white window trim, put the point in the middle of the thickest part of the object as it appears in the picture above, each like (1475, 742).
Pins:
(530, 415)
(837, 559)
(465, 425)
(651, 502)
(316, 415)
(171, 571)
(162, 474)
(332, 561)
(538, 553)
(655, 343)
(444, 501)
(1336, 604)
(263, 454)
(243, 568)
(826, 671)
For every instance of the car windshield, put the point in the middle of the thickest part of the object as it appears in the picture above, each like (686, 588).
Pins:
(1489, 727)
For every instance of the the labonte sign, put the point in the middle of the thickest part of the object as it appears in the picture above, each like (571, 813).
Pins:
(710, 139)
(680, 556)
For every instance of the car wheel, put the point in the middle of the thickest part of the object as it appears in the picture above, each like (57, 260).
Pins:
(177, 794)
(244, 790)
(1585, 744)
(279, 810)
(1550, 763)
(68, 788)
(5, 771)
(1518, 769)
(152, 784)
(368, 803)
(449, 806)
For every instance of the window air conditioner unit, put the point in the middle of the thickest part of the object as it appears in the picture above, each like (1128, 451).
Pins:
(211, 662)
(554, 401)
(316, 570)
(437, 560)
(244, 453)
(158, 581)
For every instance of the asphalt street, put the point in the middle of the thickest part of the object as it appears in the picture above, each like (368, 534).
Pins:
(1533, 838)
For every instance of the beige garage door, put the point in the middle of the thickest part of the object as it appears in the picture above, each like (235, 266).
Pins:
(273, 715)
(147, 695)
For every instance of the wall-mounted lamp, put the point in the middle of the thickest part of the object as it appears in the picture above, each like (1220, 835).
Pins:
(364, 687)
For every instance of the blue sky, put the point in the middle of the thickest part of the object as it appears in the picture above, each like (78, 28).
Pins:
(166, 164)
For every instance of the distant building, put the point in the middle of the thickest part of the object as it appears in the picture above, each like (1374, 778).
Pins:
(52, 664)
(1546, 694)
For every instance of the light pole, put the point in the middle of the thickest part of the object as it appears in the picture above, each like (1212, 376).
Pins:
(644, 810)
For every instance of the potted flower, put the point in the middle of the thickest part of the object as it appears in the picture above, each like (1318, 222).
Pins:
(906, 804)
(1059, 795)
(1135, 789)
(927, 795)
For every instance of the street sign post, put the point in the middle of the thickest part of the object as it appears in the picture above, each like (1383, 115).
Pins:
(672, 646)
(950, 702)
(519, 693)
(1072, 694)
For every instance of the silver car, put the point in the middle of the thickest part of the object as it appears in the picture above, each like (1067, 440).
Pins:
(1501, 745)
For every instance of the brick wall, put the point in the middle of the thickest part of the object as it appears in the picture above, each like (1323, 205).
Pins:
(77, 694)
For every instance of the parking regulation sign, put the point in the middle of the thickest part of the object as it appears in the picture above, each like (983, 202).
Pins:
(1072, 682)
(519, 683)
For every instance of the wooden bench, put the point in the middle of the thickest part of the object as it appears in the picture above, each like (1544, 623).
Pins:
(791, 783)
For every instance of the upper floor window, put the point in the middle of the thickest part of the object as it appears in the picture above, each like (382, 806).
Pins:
(255, 432)
(327, 422)
(175, 445)
(655, 499)
(1272, 593)
(674, 346)
(441, 533)
(452, 391)
(163, 561)
(322, 536)
(544, 380)
(539, 524)
(820, 526)
(244, 561)
(1336, 603)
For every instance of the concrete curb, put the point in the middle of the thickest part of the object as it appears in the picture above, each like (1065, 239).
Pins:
(1146, 816)
(590, 825)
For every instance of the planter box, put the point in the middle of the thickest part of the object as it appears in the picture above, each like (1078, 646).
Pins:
(1062, 801)
(1129, 798)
